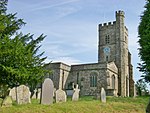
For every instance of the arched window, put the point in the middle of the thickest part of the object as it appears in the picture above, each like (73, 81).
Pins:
(93, 79)
(113, 82)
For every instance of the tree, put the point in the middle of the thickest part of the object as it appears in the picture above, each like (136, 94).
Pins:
(144, 42)
(19, 61)
(3, 4)
(9, 24)
(141, 87)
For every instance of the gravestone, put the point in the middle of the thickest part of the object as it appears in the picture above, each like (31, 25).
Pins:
(39, 93)
(34, 95)
(23, 95)
(75, 96)
(103, 95)
(13, 94)
(135, 94)
(7, 102)
(47, 92)
(60, 96)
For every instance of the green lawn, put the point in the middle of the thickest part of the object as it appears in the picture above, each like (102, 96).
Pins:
(84, 105)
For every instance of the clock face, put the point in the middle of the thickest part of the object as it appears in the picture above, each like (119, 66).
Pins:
(106, 50)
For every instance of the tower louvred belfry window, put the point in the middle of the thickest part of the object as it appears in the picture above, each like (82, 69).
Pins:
(107, 40)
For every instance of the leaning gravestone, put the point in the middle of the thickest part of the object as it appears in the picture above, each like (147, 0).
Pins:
(60, 96)
(47, 92)
(75, 96)
(23, 95)
(13, 94)
(7, 102)
(103, 95)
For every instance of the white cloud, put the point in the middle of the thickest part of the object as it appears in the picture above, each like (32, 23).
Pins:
(53, 50)
(50, 4)
(64, 11)
(66, 60)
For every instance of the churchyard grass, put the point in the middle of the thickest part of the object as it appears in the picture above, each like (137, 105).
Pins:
(84, 105)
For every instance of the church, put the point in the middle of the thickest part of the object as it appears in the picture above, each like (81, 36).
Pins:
(113, 71)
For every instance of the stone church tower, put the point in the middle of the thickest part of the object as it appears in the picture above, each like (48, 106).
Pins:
(113, 46)
(113, 71)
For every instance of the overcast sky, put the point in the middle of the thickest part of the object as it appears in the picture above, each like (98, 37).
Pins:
(71, 26)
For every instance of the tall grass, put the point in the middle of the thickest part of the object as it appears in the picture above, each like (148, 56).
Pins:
(84, 105)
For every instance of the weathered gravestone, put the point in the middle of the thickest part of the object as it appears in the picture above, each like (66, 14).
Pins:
(47, 92)
(103, 95)
(23, 95)
(60, 96)
(75, 96)
(7, 102)
(39, 93)
(13, 93)
(34, 95)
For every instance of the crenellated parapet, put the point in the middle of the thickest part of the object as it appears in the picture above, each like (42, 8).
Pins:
(109, 24)
(120, 13)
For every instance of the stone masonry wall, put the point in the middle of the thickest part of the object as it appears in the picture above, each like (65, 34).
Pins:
(118, 49)
(81, 74)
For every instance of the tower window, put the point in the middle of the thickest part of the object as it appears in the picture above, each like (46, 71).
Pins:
(93, 80)
(107, 39)
(106, 58)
